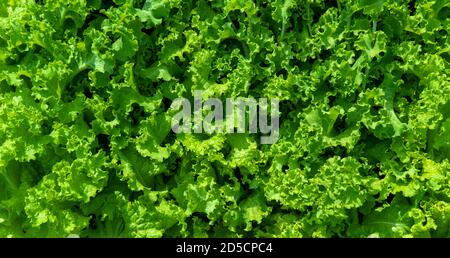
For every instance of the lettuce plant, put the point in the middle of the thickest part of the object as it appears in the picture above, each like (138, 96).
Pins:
(86, 146)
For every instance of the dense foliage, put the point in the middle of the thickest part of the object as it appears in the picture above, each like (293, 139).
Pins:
(85, 140)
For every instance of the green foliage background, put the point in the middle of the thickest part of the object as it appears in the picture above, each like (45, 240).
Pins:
(85, 140)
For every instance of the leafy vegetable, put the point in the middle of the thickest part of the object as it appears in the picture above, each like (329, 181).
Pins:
(86, 147)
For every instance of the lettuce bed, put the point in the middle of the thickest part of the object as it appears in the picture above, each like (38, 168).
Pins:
(86, 147)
